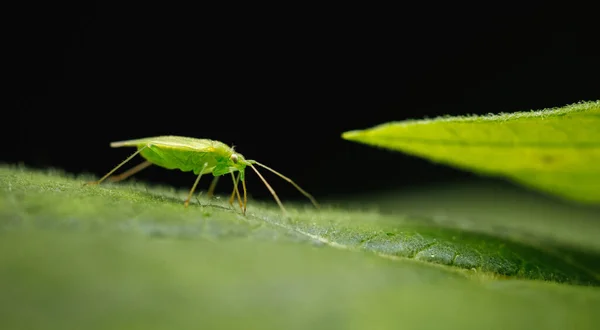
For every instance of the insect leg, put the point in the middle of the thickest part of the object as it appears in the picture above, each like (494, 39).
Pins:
(187, 201)
(245, 196)
(235, 191)
(130, 172)
(116, 168)
(211, 188)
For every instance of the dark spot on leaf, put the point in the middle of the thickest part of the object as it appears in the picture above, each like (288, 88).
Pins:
(547, 159)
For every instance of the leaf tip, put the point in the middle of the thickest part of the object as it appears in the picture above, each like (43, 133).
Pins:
(351, 135)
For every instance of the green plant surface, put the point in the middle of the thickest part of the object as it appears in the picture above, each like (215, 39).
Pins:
(554, 150)
(130, 256)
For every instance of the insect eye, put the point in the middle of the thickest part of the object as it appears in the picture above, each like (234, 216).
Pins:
(234, 158)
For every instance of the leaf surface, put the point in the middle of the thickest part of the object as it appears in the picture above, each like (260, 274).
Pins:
(130, 256)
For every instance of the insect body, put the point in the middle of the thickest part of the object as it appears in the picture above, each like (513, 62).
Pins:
(201, 156)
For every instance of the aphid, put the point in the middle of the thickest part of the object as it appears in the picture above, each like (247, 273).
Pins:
(201, 156)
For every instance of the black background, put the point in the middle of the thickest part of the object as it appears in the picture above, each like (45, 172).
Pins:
(280, 83)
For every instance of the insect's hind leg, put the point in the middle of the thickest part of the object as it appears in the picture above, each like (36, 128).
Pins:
(129, 172)
(116, 168)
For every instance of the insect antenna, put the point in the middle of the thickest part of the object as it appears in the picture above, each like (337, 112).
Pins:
(309, 196)
(269, 187)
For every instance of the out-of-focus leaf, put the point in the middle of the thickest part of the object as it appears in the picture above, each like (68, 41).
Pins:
(553, 150)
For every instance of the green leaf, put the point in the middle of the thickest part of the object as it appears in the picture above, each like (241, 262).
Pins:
(130, 256)
(554, 150)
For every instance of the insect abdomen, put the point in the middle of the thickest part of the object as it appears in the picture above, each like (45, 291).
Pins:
(183, 160)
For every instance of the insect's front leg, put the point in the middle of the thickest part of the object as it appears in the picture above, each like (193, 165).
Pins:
(245, 195)
(236, 192)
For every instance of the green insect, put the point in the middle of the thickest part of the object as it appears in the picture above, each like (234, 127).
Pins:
(201, 156)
